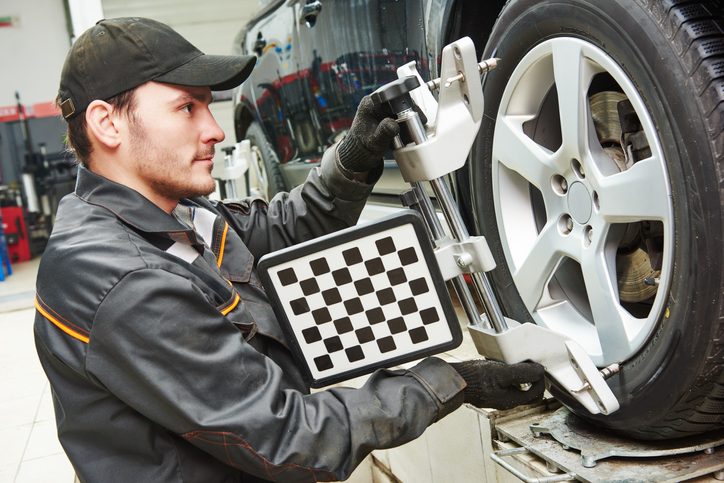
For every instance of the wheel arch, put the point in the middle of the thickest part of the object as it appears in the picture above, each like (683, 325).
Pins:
(472, 18)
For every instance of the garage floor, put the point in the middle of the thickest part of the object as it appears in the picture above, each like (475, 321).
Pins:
(29, 447)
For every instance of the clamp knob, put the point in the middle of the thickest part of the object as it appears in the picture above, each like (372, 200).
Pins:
(397, 93)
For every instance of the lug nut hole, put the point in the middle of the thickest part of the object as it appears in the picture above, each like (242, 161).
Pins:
(565, 224)
(559, 184)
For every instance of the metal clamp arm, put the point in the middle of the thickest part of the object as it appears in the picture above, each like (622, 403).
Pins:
(459, 112)
(469, 256)
(564, 360)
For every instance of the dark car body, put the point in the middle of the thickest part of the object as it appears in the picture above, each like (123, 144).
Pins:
(317, 59)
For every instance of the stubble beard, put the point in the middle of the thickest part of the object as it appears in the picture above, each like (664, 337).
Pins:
(161, 168)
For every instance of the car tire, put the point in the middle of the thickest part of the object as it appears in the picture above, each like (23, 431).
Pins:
(265, 164)
(585, 220)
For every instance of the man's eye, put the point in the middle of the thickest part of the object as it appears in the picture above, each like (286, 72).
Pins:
(187, 108)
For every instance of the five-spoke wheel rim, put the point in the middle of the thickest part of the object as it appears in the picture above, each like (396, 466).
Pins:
(564, 207)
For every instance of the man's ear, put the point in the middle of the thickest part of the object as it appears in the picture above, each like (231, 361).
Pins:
(102, 123)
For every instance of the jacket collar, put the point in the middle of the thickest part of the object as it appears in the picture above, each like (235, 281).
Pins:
(132, 207)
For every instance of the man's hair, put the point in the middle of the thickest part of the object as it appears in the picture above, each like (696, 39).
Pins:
(78, 141)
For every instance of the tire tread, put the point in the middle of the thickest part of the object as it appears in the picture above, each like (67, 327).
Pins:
(697, 34)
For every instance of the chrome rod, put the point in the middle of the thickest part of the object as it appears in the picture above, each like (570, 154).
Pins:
(460, 232)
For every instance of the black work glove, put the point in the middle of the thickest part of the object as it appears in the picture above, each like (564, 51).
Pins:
(369, 138)
(496, 385)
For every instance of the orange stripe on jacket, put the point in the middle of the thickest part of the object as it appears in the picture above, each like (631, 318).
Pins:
(231, 307)
(223, 243)
(61, 326)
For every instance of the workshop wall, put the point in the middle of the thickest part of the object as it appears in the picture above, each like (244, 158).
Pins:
(34, 39)
(34, 42)
(210, 26)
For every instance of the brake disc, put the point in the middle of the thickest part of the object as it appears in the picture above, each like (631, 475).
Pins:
(633, 265)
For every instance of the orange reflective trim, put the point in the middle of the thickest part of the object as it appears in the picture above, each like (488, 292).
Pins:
(231, 307)
(62, 327)
(223, 242)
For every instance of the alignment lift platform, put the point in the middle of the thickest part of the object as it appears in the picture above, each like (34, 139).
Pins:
(547, 443)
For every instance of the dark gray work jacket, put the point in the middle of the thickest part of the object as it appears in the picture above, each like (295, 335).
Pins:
(166, 361)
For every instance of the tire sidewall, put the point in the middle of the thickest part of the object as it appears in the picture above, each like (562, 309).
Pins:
(668, 364)
(274, 179)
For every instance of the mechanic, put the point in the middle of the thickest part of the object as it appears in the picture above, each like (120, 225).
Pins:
(163, 353)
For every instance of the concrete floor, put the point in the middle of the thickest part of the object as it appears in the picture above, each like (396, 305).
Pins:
(29, 447)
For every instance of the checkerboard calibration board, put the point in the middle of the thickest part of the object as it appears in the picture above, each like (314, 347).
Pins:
(360, 299)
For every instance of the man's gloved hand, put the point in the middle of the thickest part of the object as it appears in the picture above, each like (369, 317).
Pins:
(495, 385)
(369, 138)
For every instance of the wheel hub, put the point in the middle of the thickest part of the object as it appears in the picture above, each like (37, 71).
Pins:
(580, 205)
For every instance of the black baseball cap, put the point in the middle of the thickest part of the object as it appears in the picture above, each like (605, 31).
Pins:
(119, 54)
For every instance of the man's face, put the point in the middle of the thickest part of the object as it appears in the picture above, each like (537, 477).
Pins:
(172, 138)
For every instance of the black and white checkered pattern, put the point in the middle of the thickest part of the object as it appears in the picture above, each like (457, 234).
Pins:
(367, 297)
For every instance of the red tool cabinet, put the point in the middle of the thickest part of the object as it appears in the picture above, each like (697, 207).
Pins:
(16, 235)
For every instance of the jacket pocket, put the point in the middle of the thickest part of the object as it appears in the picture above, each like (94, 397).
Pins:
(234, 259)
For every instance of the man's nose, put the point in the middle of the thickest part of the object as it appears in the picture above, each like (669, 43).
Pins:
(212, 131)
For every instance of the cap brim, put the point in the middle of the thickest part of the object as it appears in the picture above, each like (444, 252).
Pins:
(219, 72)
